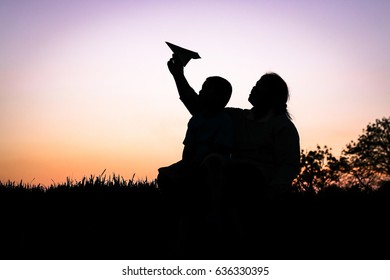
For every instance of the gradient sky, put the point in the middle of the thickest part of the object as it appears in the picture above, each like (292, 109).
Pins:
(84, 84)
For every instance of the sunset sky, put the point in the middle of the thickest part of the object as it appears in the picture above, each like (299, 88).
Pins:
(84, 85)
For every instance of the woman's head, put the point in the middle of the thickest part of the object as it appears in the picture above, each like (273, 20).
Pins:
(270, 92)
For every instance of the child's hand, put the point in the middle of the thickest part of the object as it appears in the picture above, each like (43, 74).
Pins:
(175, 66)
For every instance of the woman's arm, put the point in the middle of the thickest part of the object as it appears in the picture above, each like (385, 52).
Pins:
(287, 152)
(187, 94)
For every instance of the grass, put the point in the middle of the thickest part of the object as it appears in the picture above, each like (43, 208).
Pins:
(108, 217)
(111, 182)
(96, 217)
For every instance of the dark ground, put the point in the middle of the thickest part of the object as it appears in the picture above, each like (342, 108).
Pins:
(137, 223)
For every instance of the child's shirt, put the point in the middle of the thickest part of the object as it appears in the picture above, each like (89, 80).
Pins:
(205, 134)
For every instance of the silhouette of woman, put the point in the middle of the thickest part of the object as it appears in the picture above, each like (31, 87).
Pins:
(266, 140)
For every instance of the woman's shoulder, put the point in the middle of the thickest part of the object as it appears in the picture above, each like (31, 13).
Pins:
(237, 115)
(233, 110)
(282, 122)
(236, 112)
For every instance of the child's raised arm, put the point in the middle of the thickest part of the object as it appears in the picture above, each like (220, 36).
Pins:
(187, 94)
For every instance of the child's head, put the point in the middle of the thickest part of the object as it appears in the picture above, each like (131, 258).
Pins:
(215, 93)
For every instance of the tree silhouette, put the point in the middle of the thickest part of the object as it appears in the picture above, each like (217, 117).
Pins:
(369, 157)
(319, 169)
(363, 164)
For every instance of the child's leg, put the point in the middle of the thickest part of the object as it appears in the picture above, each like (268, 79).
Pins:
(213, 165)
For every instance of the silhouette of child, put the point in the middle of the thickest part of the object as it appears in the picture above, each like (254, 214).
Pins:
(209, 131)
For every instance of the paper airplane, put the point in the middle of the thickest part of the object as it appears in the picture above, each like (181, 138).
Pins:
(184, 54)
